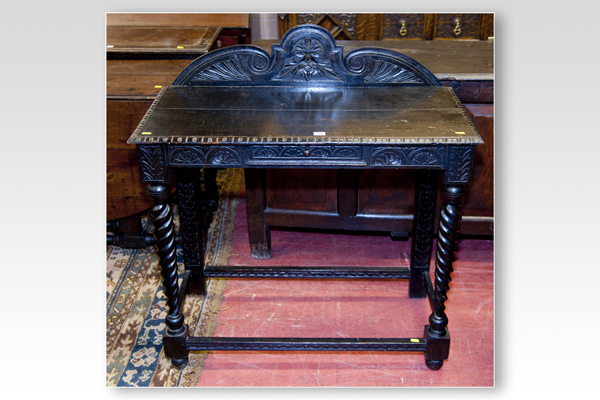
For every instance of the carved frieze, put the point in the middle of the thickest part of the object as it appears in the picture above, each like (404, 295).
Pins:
(209, 155)
(426, 156)
(341, 152)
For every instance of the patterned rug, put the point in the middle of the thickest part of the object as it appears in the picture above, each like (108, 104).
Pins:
(136, 304)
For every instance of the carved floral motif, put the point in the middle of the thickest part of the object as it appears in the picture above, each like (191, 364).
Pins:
(222, 156)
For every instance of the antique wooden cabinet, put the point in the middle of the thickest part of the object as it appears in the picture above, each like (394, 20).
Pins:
(142, 57)
(235, 27)
(354, 26)
(383, 201)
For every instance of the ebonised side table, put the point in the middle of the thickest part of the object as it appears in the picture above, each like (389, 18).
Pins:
(306, 105)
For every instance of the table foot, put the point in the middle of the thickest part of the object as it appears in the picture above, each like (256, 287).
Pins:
(434, 365)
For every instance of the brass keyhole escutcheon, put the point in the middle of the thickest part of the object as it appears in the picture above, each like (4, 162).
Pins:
(403, 28)
(457, 27)
(306, 153)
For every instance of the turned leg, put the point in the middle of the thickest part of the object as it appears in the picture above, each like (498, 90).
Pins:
(422, 241)
(438, 338)
(259, 233)
(192, 226)
(174, 337)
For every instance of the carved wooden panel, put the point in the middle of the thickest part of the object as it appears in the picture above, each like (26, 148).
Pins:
(153, 167)
(390, 26)
(403, 26)
(457, 26)
(341, 26)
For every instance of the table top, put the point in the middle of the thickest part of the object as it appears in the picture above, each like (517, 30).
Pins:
(153, 40)
(231, 20)
(304, 114)
(446, 59)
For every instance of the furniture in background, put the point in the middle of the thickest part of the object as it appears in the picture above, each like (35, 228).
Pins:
(383, 201)
(235, 27)
(312, 105)
(353, 26)
(144, 58)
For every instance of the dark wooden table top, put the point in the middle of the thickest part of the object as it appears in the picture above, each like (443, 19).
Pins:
(287, 114)
(446, 59)
(153, 40)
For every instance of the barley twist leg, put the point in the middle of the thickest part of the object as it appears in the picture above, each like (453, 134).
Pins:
(165, 243)
(446, 247)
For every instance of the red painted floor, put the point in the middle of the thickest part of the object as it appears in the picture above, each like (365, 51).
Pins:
(351, 308)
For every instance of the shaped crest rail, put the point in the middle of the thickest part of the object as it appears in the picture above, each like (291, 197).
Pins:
(307, 56)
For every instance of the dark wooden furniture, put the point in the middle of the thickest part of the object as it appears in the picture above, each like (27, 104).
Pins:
(160, 41)
(235, 27)
(354, 26)
(308, 105)
(383, 200)
(142, 58)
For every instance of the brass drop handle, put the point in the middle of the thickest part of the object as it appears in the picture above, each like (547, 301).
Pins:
(457, 27)
(403, 28)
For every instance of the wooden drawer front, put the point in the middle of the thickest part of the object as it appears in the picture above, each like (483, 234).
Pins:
(457, 26)
(403, 26)
(306, 155)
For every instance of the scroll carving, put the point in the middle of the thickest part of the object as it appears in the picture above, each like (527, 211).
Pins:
(308, 55)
